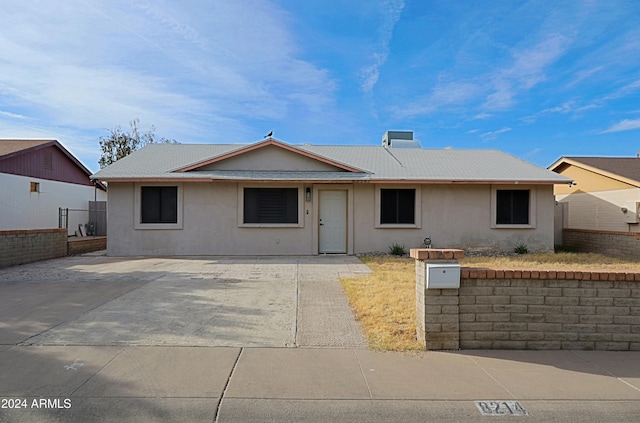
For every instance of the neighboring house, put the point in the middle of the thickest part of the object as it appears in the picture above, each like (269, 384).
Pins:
(272, 198)
(38, 177)
(605, 196)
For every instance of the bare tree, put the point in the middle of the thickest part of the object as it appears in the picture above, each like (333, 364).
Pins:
(120, 144)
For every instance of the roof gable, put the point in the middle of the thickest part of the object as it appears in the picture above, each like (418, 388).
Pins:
(43, 159)
(11, 147)
(276, 153)
(621, 169)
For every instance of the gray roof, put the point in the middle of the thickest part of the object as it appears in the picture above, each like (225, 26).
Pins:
(627, 167)
(161, 161)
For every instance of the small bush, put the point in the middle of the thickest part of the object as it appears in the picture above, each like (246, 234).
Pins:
(521, 249)
(397, 249)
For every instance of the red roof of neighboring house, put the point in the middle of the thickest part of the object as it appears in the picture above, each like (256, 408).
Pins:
(35, 158)
(13, 146)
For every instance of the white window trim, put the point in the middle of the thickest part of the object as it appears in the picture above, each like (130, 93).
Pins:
(301, 206)
(417, 211)
(532, 206)
(137, 214)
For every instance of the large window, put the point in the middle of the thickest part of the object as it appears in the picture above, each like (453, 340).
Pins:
(159, 204)
(512, 207)
(270, 205)
(397, 206)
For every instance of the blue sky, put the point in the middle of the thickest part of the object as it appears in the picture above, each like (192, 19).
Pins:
(537, 79)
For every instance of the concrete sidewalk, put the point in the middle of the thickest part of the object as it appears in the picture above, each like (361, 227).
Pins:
(193, 340)
(205, 384)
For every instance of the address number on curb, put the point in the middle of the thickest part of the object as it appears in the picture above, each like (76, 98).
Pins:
(501, 408)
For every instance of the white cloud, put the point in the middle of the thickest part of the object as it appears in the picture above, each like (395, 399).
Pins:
(390, 11)
(446, 94)
(12, 115)
(624, 91)
(568, 107)
(624, 125)
(527, 71)
(487, 136)
(101, 63)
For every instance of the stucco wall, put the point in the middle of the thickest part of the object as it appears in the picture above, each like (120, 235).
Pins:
(453, 216)
(209, 227)
(600, 210)
(22, 209)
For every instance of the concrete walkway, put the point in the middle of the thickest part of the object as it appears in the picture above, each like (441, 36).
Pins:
(70, 352)
(192, 301)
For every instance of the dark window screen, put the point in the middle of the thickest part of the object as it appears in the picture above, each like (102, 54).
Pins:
(271, 205)
(159, 205)
(512, 207)
(397, 206)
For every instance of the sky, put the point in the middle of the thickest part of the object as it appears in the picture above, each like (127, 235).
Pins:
(537, 79)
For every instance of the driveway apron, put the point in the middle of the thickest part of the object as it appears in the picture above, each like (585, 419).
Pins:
(201, 301)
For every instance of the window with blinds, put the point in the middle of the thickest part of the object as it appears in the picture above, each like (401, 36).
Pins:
(271, 205)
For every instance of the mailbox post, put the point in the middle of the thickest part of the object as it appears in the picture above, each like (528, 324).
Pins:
(437, 303)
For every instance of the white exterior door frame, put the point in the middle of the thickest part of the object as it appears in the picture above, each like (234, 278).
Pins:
(332, 218)
(348, 189)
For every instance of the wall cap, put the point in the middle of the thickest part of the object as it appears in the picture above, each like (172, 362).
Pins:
(436, 254)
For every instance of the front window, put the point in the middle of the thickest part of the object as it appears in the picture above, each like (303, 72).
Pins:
(512, 207)
(397, 206)
(270, 205)
(159, 204)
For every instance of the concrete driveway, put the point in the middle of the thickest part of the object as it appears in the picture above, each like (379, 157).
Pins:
(186, 301)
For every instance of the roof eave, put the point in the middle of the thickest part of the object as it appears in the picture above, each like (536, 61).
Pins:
(330, 180)
(614, 176)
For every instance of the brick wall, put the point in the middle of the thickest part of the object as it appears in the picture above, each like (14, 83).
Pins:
(535, 311)
(529, 310)
(618, 244)
(83, 245)
(438, 314)
(25, 246)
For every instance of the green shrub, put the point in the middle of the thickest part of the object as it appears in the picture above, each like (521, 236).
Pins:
(521, 248)
(397, 249)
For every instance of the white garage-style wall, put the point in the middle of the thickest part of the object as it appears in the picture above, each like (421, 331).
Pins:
(24, 209)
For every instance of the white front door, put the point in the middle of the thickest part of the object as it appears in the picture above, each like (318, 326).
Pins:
(332, 232)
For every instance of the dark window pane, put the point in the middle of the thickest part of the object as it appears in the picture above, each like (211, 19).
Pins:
(397, 206)
(270, 205)
(159, 204)
(169, 204)
(512, 207)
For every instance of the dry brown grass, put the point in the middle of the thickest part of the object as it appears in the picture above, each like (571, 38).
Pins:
(554, 261)
(384, 301)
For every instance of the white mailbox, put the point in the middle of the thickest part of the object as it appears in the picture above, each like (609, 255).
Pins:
(444, 275)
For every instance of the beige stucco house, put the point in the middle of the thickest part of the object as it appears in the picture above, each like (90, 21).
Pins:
(605, 196)
(273, 198)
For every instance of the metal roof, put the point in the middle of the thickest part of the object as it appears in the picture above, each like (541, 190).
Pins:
(162, 162)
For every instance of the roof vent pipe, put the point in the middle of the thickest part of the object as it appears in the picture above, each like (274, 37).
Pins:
(399, 139)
